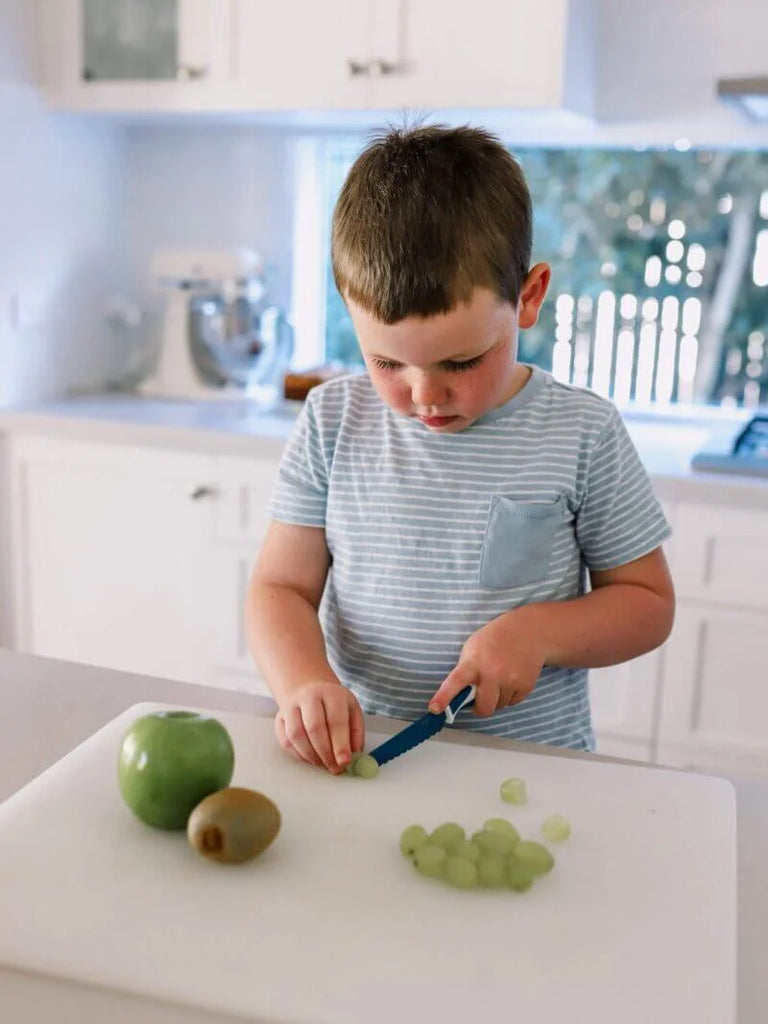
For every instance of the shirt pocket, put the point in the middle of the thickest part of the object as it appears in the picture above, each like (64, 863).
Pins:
(518, 541)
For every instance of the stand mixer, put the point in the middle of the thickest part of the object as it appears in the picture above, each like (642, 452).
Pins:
(220, 337)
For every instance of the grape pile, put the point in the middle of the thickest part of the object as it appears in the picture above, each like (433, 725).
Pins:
(494, 857)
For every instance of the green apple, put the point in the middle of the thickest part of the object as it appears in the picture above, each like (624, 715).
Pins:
(169, 761)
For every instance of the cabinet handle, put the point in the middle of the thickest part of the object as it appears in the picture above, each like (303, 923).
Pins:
(190, 72)
(358, 68)
(203, 491)
(385, 67)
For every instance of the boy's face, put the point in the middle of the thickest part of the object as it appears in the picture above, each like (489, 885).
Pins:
(448, 370)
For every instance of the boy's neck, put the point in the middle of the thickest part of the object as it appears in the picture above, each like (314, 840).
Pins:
(521, 374)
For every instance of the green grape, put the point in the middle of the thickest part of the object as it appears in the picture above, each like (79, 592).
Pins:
(350, 769)
(466, 849)
(448, 835)
(503, 827)
(429, 860)
(520, 875)
(491, 871)
(538, 857)
(460, 872)
(412, 839)
(556, 828)
(494, 842)
(366, 767)
(513, 791)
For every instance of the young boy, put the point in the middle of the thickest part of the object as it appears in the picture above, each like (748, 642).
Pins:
(439, 515)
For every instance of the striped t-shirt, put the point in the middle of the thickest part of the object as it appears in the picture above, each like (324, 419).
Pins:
(433, 535)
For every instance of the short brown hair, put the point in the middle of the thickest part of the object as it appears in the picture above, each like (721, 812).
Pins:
(426, 215)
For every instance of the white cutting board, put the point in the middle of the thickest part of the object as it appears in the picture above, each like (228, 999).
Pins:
(331, 925)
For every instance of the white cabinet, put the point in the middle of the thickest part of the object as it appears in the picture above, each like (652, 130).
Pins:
(394, 54)
(135, 558)
(298, 55)
(714, 709)
(624, 700)
(715, 699)
(146, 55)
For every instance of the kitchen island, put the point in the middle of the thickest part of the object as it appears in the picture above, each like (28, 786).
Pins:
(50, 706)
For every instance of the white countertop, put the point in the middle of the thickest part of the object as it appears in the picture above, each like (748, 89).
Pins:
(238, 427)
(50, 706)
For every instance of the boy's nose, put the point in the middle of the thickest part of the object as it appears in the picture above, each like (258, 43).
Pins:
(427, 391)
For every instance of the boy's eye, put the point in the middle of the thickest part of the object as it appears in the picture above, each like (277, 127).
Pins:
(466, 364)
(452, 365)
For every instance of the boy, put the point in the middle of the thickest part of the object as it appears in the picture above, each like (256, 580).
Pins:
(439, 514)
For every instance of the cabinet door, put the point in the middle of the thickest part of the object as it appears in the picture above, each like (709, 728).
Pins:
(295, 55)
(721, 555)
(487, 54)
(135, 55)
(116, 565)
(624, 701)
(714, 706)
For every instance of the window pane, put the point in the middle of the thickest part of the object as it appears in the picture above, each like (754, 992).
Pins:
(660, 272)
(130, 39)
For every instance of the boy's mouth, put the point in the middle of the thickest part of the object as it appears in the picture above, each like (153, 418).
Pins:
(437, 421)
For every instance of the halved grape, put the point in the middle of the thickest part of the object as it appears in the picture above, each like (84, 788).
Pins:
(492, 871)
(366, 767)
(556, 828)
(412, 839)
(520, 875)
(449, 835)
(513, 791)
(430, 860)
(460, 872)
(494, 842)
(538, 857)
(503, 827)
(350, 769)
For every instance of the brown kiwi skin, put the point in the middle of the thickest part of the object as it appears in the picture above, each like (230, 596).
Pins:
(233, 825)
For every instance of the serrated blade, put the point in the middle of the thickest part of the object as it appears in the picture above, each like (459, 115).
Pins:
(422, 729)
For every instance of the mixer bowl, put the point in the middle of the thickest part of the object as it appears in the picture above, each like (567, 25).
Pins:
(237, 341)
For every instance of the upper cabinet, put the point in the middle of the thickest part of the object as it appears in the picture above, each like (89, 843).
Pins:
(260, 56)
(136, 55)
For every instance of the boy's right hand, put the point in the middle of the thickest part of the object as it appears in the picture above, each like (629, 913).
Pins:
(321, 724)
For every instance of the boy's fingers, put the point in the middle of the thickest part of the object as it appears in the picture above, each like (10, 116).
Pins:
(317, 726)
(453, 683)
(337, 716)
(356, 725)
(296, 735)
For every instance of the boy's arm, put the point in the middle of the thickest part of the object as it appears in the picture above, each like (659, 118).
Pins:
(318, 717)
(628, 612)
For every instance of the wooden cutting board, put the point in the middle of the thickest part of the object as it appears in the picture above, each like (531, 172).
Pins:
(331, 925)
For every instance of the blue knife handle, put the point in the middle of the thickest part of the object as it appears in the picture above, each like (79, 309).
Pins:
(463, 699)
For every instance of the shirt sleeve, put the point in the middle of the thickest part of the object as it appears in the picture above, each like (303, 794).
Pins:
(300, 492)
(620, 518)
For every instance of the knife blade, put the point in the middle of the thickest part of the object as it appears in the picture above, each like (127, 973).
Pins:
(428, 725)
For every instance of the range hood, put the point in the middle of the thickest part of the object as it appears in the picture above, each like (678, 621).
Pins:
(747, 95)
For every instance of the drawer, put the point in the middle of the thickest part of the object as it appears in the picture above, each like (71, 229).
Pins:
(720, 554)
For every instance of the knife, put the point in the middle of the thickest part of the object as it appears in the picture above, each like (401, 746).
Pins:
(415, 733)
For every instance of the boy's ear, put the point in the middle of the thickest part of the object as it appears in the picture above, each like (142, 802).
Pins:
(532, 294)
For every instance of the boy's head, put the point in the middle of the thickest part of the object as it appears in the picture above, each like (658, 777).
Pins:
(426, 215)
(431, 249)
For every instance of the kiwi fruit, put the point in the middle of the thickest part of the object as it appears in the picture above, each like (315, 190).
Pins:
(233, 825)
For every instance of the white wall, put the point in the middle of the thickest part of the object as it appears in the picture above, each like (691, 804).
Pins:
(209, 186)
(60, 186)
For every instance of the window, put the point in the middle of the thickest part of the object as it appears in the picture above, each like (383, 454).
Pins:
(659, 291)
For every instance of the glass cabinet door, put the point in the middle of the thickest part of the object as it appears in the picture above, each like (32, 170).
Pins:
(136, 40)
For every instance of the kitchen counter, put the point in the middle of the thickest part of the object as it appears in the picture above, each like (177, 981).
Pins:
(50, 706)
(232, 427)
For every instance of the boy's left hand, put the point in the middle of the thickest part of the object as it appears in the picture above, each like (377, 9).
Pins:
(501, 659)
